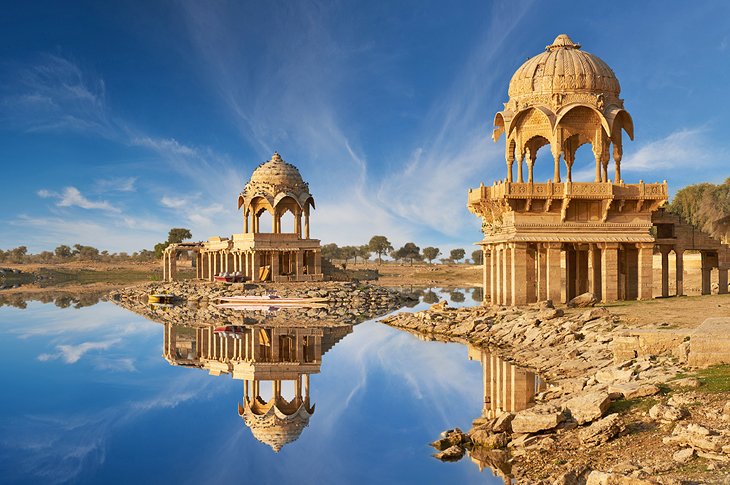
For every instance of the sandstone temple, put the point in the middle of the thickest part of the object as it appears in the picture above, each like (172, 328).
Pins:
(558, 238)
(276, 188)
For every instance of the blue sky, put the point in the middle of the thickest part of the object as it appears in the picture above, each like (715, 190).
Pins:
(119, 120)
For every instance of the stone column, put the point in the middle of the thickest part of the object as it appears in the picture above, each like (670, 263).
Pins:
(609, 272)
(506, 275)
(706, 272)
(245, 222)
(518, 273)
(317, 262)
(520, 162)
(486, 273)
(255, 266)
(552, 252)
(679, 270)
(496, 292)
(571, 273)
(542, 293)
(664, 250)
(646, 251)
(594, 257)
(530, 274)
(274, 265)
(582, 279)
(722, 281)
(299, 264)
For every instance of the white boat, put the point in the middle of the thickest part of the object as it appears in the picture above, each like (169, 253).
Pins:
(272, 300)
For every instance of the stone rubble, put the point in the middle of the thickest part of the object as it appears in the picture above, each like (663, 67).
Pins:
(571, 350)
(347, 303)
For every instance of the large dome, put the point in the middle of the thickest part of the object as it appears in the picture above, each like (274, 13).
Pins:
(278, 173)
(563, 68)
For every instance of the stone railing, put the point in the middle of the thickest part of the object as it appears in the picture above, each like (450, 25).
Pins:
(573, 190)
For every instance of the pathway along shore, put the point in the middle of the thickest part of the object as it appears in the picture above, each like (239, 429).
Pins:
(639, 421)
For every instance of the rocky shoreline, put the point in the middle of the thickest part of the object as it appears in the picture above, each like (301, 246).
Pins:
(601, 421)
(347, 303)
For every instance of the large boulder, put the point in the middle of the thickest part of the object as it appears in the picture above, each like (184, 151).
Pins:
(583, 301)
(453, 453)
(489, 440)
(536, 419)
(602, 478)
(601, 431)
(588, 407)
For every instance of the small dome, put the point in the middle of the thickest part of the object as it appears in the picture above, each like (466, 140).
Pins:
(563, 68)
(277, 172)
(274, 180)
(276, 427)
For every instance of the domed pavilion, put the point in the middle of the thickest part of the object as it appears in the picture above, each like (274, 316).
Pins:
(595, 236)
(276, 190)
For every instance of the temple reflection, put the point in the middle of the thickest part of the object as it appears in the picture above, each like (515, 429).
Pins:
(275, 358)
(507, 388)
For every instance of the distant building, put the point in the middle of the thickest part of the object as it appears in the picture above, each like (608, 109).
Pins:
(276, 188)
(560, 238)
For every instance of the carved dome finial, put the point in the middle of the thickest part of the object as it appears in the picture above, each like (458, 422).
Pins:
(562, 42)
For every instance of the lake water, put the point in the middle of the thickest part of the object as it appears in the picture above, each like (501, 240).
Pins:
(88, 397)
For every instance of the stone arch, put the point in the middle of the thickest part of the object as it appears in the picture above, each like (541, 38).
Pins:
(533, 121)
(499, 126)
(531, 148)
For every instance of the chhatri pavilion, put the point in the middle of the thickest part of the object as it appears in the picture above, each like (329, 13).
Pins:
(557, 239)
(276, 189)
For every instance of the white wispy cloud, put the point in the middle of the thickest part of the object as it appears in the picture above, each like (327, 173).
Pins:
(72, 197)
(687, 147)
(71, 354)
(55, 94)
(116, 184)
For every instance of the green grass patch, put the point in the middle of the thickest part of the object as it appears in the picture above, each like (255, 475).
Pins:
(625, 405)
(714, 379)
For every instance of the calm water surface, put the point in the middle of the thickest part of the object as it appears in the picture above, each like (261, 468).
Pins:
(89, 398)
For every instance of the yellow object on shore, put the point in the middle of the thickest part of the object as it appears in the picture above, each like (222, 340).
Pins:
(161, 298)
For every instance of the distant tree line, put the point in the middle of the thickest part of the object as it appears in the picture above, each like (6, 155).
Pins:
(380, 246)
(705, 206)
(77, 252)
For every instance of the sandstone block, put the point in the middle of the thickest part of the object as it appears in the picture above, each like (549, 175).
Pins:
(684, 455)
(582, 301)
(536, 419)
(601, 431)
(588, 407)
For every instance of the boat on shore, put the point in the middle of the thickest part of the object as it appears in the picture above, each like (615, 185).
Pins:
(271, 300)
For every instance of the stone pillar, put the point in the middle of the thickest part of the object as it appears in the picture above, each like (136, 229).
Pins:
(306, 224)
(706, 272)
(570, 273)
(556, 175)
(506, 275)
(518, 273)
(664, 250)
(594, 257)
(317, 262)
(645, 259)
(552, 253)
(609, 272)
(497, 279)
(679, 270)
(299, 264)
(245, 222)
(486, 273)
(520, 161)
(541, 273)
(722, 280)
(531, 274)
(255, 266)
(274, 265)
